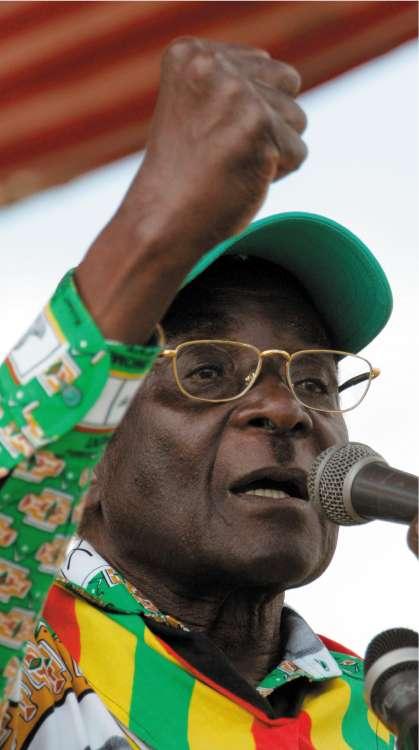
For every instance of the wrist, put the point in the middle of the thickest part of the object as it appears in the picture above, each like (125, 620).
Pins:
(130, 275)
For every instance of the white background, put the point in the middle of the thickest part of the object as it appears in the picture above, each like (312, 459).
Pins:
(362, 171)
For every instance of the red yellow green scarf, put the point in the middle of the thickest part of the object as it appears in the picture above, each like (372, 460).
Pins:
(163, 700)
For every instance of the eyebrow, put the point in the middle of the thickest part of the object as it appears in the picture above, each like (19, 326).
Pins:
(213, 325)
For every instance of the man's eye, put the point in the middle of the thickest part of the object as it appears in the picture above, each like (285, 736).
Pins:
(207, 372)
(312, 385)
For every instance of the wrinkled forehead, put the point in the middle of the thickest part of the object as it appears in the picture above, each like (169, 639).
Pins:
(235, 290)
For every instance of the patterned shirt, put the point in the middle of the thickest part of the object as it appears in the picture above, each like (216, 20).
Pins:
(93, 664)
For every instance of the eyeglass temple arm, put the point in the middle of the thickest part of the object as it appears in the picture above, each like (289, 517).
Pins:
(359, 379)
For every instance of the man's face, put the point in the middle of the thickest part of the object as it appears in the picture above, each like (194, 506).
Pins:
(171, 506)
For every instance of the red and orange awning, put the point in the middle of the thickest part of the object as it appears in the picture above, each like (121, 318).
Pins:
(78, 80)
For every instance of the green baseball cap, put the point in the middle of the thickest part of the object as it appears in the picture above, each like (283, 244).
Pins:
(344, 280)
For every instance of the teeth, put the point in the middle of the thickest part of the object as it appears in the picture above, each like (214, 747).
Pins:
(276, 494)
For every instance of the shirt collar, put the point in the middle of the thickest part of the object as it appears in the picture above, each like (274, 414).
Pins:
(92, 577)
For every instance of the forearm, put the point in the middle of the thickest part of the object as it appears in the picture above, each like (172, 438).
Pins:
(131, 274)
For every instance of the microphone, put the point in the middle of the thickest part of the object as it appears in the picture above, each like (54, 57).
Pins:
(391, 683)
(353, 484)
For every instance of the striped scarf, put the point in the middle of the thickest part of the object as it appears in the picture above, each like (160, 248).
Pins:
(159, 697)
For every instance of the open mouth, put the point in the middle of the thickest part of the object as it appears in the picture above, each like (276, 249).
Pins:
(276, 485)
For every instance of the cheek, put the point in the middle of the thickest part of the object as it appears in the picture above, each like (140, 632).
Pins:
(331, 430)
(151, 484)
(172, 442)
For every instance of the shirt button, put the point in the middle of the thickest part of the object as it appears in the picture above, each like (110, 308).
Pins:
(71, 395)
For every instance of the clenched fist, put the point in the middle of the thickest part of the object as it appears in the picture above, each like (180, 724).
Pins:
(226, 125)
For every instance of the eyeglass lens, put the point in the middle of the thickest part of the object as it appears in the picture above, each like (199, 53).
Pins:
(321, 381)
(214, 371)
(223, 370)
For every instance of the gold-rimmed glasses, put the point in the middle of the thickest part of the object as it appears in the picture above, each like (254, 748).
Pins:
(218, 370)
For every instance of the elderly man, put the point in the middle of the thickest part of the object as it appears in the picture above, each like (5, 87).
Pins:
(166, 627)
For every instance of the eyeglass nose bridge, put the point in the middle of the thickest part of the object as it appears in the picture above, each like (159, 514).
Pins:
(273, 353)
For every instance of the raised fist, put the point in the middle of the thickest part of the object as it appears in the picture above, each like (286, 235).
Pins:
(225, 126)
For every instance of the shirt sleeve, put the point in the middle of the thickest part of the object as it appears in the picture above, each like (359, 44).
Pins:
(63, 391)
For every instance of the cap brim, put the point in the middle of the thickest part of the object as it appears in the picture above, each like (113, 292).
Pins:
(343, 278)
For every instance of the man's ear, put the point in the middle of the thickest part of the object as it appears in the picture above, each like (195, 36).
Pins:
(92, 501)
(91, 509)
(100, 484)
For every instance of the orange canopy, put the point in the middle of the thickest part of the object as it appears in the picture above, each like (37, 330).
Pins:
(78, 80)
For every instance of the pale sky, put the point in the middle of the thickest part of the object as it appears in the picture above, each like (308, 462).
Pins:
(363, 172)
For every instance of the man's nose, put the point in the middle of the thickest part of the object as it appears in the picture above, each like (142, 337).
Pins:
(270, 405)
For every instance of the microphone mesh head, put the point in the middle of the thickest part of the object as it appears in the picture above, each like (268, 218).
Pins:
(389, 640)
(407, 665)
(326, 478)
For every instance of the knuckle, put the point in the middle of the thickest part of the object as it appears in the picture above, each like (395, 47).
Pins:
(200, 65)
(180, 50)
